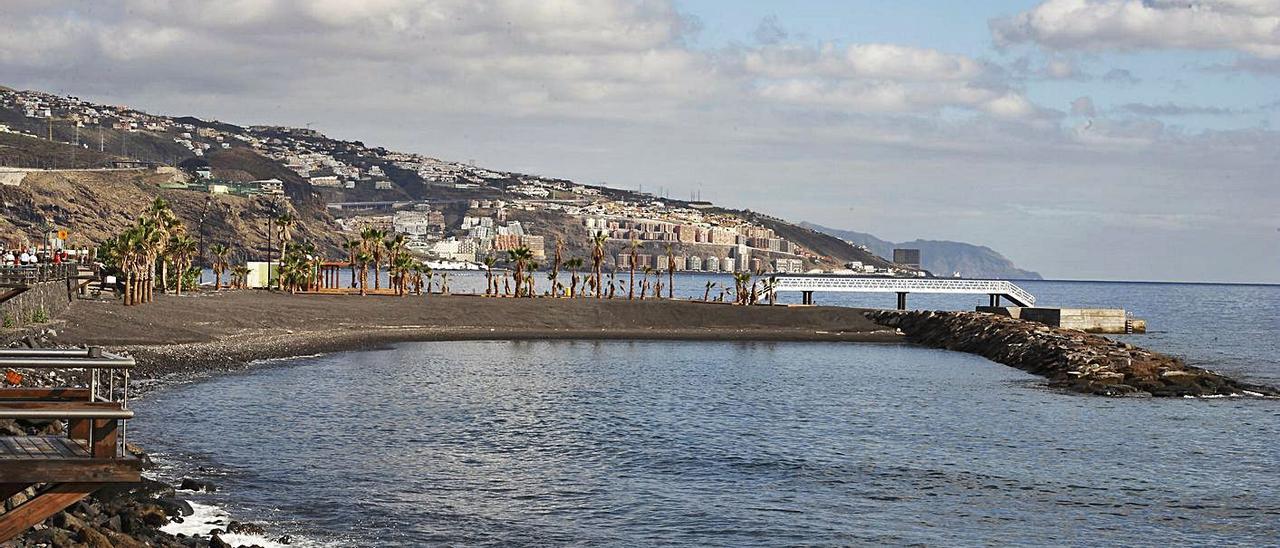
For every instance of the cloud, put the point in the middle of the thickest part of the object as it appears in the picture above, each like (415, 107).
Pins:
(770, 31)
(1170, 109)
(1248, 26)
(1083, 106)
(1119, 76)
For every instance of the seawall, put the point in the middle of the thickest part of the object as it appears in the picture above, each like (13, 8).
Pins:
(1071, 360)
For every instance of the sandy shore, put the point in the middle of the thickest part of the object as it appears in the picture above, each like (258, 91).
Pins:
(212, 330)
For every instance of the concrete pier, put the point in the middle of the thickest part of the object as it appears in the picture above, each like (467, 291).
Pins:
(1089, 320)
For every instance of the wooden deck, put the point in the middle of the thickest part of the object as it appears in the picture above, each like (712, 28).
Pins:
(64, 469)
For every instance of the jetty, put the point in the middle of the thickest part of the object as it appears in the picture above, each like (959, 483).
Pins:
(89, 455)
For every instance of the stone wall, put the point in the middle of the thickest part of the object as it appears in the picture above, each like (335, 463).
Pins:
(50, 297)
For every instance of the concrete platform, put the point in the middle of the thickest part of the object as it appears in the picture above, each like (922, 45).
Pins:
(1089, 320)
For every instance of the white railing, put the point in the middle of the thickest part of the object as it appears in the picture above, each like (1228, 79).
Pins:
(863, 284)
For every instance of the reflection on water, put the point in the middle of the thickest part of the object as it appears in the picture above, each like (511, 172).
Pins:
(650, 442)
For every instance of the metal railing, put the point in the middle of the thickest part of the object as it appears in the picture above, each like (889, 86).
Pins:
(100, 411)
(31, 274)
(866, 284)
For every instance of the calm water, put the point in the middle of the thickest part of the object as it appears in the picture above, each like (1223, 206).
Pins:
(731, 444)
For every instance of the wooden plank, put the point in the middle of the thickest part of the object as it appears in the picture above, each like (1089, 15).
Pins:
(44, 394)
(8, 448)
(45, 504)
(122, 470)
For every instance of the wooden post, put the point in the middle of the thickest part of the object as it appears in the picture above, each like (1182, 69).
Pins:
(902, 300)
(102, 443)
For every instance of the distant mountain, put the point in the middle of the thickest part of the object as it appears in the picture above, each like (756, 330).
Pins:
(942, 258)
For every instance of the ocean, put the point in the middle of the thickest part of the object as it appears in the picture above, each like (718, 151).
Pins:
(732, 444)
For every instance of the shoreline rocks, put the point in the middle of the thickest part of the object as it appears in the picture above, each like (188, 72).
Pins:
(1071, 360)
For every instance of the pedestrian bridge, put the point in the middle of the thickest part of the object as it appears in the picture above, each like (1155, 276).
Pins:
(807, 284)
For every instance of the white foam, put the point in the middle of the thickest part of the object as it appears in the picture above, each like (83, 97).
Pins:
(206, 517)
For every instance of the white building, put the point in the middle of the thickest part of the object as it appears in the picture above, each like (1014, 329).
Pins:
(329, 181)
(270, 186)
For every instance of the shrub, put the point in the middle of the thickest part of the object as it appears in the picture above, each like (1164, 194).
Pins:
(40, 315)
(8, 321)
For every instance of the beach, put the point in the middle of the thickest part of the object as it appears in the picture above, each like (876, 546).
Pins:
(191, 333)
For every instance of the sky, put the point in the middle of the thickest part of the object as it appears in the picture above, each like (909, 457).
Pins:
(1084, 139)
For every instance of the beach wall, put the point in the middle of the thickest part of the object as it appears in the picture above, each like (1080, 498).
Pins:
(1070, 359)
(42, 302)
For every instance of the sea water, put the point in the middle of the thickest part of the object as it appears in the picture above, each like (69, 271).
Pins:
(732, 444)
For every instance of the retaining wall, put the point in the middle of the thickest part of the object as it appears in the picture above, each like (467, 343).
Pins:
(52, 297)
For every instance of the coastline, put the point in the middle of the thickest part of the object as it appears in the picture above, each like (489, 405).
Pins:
(191, 334)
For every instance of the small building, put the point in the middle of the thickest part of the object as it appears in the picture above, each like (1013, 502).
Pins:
(269, 186)
(326, 181)
(907, 257)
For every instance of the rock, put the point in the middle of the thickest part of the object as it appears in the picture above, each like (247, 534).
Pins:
(151, 514)
(286, 539)
(189, 484)
(239, 528)
(93, 539)
(217, 542)
(175, 506)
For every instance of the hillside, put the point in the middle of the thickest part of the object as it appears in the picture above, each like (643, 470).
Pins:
(391, 190)
(942, 258)
(96, 205)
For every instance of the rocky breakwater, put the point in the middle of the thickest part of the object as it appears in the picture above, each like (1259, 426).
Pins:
(1071, 360)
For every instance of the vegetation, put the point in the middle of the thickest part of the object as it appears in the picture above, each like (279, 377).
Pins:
(218, 254)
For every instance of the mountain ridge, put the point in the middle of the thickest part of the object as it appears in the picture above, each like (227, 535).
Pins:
(941, 257)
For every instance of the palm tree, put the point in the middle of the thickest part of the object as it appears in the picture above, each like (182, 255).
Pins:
(219, 254)
(597, 259)
(240, 276)
(573, 265)
(181, 249)
(394, 247)
(352, 247)
(555, 267)
(644, 284)
(285, 223)
(635, 256)
(374, 246)
(418, 270)
(401, 267)
(166, 223)
(520, 256)
(488, 275)
(671, 273)
(528, 280)
(741, 287)
(363, 259)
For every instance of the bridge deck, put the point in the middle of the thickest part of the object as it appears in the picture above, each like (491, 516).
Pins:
(873, 284)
